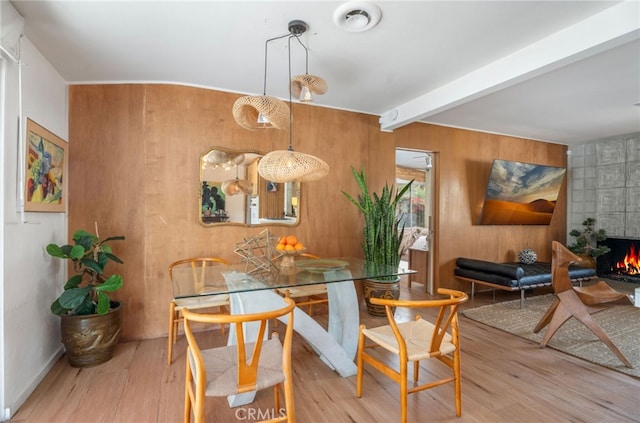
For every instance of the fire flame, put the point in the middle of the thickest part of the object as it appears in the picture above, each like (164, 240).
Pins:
(631, 262)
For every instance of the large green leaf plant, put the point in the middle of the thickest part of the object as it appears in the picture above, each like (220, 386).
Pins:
(382, 234)
(86, 291)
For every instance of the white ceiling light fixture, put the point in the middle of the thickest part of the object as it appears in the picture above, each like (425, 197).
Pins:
(357, 16)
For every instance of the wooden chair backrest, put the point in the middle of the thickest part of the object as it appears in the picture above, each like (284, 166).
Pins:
(247, 360)
(561, 258)
(199, 266)
(447, 316)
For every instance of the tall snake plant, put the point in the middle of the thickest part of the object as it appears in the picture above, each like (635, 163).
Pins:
(382, 234)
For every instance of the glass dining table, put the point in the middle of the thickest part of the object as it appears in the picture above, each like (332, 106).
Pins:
(251, 290)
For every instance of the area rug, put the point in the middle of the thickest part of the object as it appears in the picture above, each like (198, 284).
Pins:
(620, 322)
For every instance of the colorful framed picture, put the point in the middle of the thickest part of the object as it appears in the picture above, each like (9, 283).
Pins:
(45, 171)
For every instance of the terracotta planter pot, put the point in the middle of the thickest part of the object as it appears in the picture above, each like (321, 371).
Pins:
(91, 340)
(379, 289)
(586, 260)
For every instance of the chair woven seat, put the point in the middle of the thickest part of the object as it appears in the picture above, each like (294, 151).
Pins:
(222, 368)
(417, 335)
(202, 302)
(411, 342)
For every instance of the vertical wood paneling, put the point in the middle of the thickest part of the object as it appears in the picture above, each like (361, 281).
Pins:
(134, 152)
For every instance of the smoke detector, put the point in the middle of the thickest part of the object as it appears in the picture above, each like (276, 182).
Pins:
(357, 16)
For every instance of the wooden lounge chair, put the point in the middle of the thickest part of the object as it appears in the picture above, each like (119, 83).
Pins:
(579, 302)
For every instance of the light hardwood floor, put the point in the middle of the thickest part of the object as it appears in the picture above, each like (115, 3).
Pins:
(505, 379)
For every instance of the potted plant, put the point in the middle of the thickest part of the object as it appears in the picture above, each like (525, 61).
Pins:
(586, 243)
(90, 321)
(381, 236)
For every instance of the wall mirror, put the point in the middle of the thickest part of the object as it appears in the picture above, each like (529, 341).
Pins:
(233, 193)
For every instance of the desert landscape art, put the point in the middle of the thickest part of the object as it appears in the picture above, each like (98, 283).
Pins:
(521, 193)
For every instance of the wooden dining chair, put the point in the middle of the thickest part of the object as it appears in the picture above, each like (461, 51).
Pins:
(308, 295)
(199, 267)
(578, 302)
(246, 366)
(414, 341)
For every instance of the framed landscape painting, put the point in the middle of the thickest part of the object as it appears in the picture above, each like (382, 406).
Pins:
(521, 193)
(45, 170)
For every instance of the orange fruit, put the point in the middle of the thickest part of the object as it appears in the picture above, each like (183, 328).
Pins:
(288, 247)
(299, 246)
(282, 240)
(280, 246)
(292, 240)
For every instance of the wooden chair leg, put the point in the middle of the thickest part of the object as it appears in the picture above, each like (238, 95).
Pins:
(547, 316)
(457, 388)
(170, 332)
(360, 364)
(223, 309)
(561, 315)
(582, 314)
(404, 392)
(187, 395)
(571, 305)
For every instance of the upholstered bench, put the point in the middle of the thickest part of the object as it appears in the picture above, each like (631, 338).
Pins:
(513, 276)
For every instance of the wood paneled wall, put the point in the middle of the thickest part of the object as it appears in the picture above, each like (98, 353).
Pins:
(133, 168)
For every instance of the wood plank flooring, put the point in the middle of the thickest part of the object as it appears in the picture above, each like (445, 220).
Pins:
(505, 379)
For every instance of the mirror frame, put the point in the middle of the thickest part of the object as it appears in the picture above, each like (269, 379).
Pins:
(258, 179)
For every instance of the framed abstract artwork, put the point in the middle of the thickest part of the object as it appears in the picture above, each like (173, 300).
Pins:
(45, 171)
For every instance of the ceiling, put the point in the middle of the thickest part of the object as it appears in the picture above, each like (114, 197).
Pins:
(558, 71)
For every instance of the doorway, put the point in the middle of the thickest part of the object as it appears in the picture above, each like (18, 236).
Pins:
(417, 206)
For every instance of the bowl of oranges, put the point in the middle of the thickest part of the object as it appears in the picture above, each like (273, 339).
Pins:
(290, 245)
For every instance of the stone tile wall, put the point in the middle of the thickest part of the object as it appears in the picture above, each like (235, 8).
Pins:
(604, 182)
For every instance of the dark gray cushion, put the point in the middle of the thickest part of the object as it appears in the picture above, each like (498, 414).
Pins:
(514, 275)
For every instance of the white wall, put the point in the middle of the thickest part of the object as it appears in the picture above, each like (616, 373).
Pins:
(31, 280)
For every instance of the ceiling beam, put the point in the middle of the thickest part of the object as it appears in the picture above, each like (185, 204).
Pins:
(614, 26)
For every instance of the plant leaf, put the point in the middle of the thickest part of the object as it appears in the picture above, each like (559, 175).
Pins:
(73, 297)
(73, 282)
(113, 282)
(103, 303)
(57, 309)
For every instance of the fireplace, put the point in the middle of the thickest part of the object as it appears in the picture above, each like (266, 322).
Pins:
(622, 262)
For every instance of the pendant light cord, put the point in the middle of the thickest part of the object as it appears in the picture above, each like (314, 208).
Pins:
(266, 45)
(290, 102)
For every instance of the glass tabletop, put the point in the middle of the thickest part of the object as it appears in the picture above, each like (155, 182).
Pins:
(221, 279)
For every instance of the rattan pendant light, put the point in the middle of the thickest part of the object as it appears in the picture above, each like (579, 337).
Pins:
(237, 186)
(262, 111)
(217, 158)
(304, 86)
(289, 165)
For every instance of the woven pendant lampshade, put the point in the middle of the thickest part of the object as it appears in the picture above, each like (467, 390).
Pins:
(237, 186)
(246, 110)
(313, 84)
(289, 165)
(217, 158)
